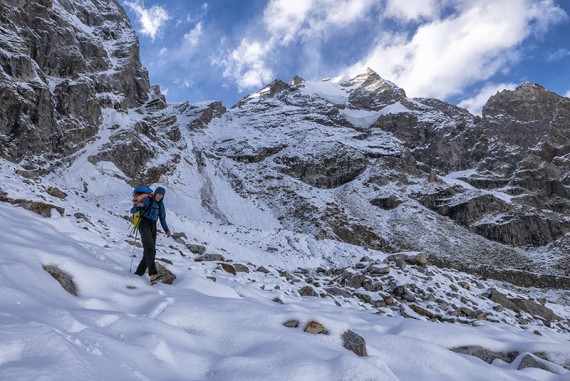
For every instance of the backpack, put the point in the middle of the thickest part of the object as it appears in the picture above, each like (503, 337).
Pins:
(138, 195)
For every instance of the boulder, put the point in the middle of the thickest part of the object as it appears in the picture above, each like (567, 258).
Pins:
(355, 281)
(63, 278)
(167, 276)
(355, 343)
(195, 248)
(337, 291)
(315, 328)
(308, 291)
(517, 304)
(292, 323)
(228, 268)
(531, 361)
(486, 355)
(240, 268)
(210, 258)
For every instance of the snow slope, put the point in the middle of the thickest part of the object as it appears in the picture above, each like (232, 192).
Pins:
(121, 328)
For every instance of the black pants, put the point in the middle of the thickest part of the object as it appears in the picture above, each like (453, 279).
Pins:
(147, 228)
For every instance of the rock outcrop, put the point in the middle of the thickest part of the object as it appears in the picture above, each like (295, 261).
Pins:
(61, 64)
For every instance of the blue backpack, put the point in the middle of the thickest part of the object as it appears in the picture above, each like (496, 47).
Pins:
(138, 194)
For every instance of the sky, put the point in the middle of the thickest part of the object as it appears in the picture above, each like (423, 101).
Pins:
(460, 51)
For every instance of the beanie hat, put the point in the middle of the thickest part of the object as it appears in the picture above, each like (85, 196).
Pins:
(160, 190)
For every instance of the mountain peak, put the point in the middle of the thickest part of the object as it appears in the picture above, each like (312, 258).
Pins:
(372, 92)
(528, 102)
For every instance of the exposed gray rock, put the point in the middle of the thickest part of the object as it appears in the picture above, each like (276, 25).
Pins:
(38, 207)
(297, 80)
(262, 269)
(485, 354)
(355, 281)
(337, 166)
(418, 259)
(167, 276)
(530, 361)
(337, 291)
(524, 230)
(55, 192)
(63, 278)
(292, 323)
(386, 203)
(355, 343)
(241, 268)
(464, 212)
(308, 291)
(373, 92)
(363, 297)
(518, 305)
(210, 258)
(403, 293)
(195, 248)
(378, 270)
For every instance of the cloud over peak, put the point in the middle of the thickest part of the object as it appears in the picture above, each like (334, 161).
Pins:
(151, 19)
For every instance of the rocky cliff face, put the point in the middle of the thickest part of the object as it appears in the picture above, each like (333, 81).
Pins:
(61, 63)
(362, 163)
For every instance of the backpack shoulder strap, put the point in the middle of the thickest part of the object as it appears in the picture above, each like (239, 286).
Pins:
(139, 198)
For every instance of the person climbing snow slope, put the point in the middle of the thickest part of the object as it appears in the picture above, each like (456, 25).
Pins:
(151, 209)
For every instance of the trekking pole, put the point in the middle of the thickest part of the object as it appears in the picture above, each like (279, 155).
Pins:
(133, 251)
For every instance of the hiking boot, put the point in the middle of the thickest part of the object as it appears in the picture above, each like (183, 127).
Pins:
(155, 278)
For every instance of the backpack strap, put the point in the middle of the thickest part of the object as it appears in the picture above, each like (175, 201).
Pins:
(139, 198)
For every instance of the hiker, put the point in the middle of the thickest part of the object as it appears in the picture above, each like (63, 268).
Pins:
(151, 209)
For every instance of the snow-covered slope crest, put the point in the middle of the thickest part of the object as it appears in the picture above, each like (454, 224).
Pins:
(119, 327)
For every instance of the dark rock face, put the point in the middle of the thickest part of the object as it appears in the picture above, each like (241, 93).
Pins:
(341, 166)
(463, 211)
(386, 203)
(69, 70)
(524, 230)
(523, 116)
(201, 115)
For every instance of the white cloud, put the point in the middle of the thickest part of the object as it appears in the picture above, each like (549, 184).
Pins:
(413, 9)
(152, 19)
(193, 37)
(567, 95)
(246, 65)
(285, 21)
(476, 103)
(473, 42)
(184, 82)
(558, 54)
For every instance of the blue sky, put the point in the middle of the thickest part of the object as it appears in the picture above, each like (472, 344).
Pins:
(460, 51)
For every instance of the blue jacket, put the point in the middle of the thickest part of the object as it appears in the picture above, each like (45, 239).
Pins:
(153, 210)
